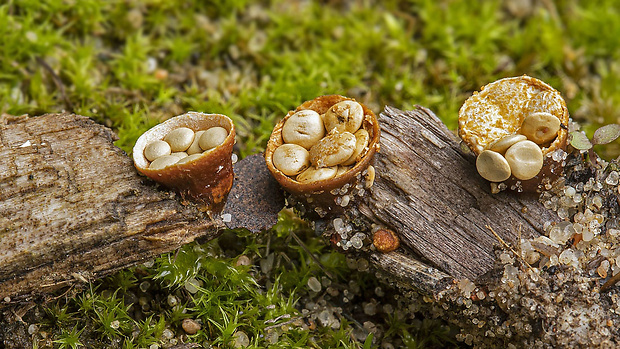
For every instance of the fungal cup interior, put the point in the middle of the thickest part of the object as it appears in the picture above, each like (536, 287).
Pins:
(515, 126)
(207, 179)
(321, 105)
(327, 197)
(499, 108)
(193, 120)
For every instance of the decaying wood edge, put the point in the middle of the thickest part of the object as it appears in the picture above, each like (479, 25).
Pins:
(428, 191)
(406, 272)
(74, 209)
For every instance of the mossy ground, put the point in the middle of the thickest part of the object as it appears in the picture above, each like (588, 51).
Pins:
(132, 64)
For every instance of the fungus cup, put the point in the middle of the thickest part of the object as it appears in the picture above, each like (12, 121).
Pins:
(507, 119)
(331, 180)
(204, 178)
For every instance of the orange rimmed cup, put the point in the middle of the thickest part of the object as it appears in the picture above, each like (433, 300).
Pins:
(328, 197)
(498, 111)
(207, 180)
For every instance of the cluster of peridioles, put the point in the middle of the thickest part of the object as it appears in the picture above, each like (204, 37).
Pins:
(183, 145)
(192, 154)
(514, 125)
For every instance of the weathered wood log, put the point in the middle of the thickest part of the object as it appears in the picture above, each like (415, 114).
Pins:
(428, 191)
(73, 208)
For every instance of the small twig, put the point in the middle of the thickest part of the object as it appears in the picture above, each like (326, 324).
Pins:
(21, 311)
(281, 324)
(176, 254)
(284, 316)
(519, 242)
(508, 246)
(611, 282)
(69, 289)
(353, 320)
(316, 260)
(286, 258)
(268, 244)
(57, 82)
(56, 284)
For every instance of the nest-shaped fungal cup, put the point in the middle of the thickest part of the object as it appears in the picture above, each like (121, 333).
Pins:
(514, 126)
(204, 178)
(318, 196)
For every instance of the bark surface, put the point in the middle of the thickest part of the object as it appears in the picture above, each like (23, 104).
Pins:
(428, 191)
(73, 208)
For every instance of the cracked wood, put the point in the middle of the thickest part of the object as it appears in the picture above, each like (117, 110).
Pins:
(428, 191)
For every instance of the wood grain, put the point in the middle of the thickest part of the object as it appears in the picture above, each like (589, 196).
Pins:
(428, 191)
(74, 209)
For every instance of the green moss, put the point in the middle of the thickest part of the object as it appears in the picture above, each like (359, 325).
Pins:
(255, 61)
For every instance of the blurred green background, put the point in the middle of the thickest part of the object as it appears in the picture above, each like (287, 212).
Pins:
(132, 64)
